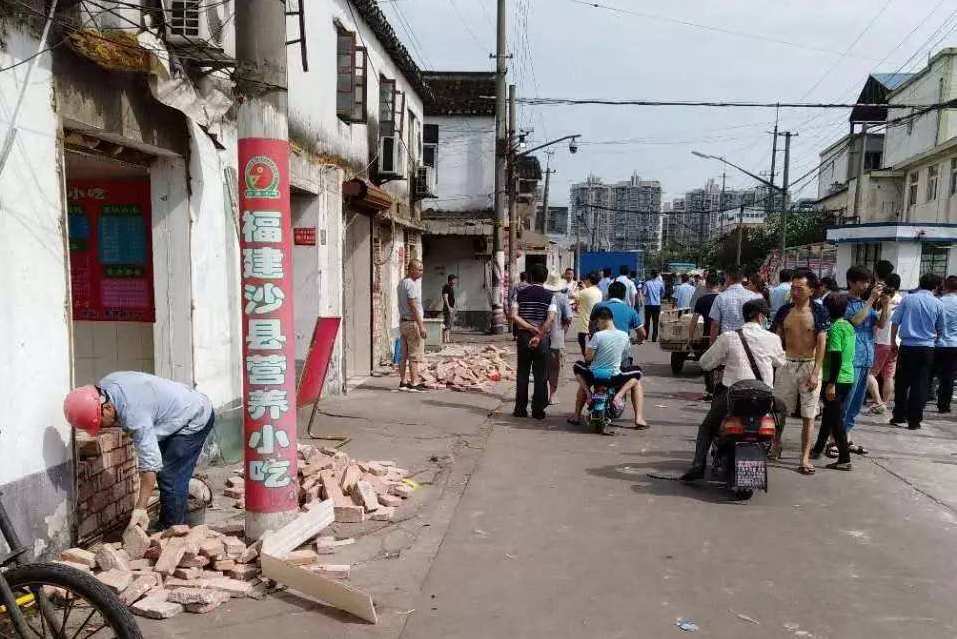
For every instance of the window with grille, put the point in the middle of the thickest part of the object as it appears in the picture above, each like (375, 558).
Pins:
(430, 147)
(953, 176)
(932, 173)
(867, 255)
(912, 189)
(184, 18)
(350, 78)
(933, 259)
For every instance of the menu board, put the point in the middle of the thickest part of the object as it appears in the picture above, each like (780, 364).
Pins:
(111, 261)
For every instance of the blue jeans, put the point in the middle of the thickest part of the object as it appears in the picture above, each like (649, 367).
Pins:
(180, 454)
(855, 399)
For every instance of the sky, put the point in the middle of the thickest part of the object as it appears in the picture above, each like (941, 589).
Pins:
(724, 50)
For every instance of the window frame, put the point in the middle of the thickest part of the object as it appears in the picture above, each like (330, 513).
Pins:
(953, 176)
(867, 254)
(354, 68)
(430, 145)
(912, 187)
(387, 87)
(933, 177)
(936, 261)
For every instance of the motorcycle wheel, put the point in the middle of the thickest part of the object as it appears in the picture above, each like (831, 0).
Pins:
(678, 363)
(743, 494)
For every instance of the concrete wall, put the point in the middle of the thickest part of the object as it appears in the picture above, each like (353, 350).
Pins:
(317, 270)
(36, 473)
(455, 255)
(881, 198)
(942, 208)
(466, 163)
(936, 84)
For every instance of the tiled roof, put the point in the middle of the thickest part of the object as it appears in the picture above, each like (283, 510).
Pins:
(460, 93)
(370, 12)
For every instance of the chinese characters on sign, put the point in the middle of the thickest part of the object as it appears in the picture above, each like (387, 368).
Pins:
(269, 370)
(111, 262)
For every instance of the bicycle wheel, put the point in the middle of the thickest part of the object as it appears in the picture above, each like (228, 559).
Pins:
(75, 604)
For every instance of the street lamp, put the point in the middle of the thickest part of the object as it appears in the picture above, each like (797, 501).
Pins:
(770, 185)
(572, 145)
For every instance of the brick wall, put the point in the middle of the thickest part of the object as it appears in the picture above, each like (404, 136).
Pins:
(107, 483)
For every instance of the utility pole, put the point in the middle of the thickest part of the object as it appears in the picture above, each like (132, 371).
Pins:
(512, 190)
(784, 194)
(269, 355)
(501, 148)
(774, 156)
(548, 173)
(740, 233)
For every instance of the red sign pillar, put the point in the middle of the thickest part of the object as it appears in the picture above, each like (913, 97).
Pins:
(269, 343)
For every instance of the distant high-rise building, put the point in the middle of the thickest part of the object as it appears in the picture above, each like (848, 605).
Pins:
(621, 216)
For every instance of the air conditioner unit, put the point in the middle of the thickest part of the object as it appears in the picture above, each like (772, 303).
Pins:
(391, 161)
(197, 23)
(425, 181)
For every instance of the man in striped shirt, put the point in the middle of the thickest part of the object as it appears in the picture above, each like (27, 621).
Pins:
(533, 313)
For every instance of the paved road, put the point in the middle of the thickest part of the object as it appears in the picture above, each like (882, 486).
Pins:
(564, 534)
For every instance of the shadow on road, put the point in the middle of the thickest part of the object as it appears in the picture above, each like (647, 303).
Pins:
(706, 491)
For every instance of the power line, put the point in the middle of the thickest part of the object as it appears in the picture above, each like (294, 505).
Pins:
(696, 25)
(738, 104)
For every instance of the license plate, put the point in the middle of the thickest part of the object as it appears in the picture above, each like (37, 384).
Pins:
(749, 474)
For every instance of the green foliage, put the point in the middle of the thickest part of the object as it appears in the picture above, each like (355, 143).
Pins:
(803, 227)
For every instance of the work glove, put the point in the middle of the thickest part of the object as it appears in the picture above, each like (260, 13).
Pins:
(139, 518)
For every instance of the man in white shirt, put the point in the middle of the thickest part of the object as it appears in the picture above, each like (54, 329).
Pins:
(631, 291)
(604, 282)
(728, 351)
(684, 293)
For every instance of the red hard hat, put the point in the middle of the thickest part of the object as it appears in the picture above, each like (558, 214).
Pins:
(82, 409)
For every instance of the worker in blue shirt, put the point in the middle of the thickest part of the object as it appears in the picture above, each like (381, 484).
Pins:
(624, 317)
(866, 313)
(918, 321)
(945, 350)
(653, 291)
(168, 422)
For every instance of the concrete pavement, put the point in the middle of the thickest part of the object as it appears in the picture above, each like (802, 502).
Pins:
(537, 529)
(563, 534)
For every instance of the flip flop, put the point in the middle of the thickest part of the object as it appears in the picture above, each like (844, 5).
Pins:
(806, 470)
(856, 449)
(642, 426)
(574, 421)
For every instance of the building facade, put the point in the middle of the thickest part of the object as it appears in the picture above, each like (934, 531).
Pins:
(123, 251)
(621, 216)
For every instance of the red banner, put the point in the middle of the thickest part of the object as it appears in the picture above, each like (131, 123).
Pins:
(317, 361)
(269, 343)
(111, 257)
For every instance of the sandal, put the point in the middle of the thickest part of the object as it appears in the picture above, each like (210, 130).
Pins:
(574, 421)
(831, 450)
(878, 409)
(642, 426)
(806, 470)
(856, 449)
(845, 466)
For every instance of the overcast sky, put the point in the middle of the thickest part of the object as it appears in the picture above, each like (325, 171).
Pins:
(764, 50)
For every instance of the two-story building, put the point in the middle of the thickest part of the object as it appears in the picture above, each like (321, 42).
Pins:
(904, 209)
(119, 225)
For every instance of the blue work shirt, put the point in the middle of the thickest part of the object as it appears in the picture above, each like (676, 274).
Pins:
(919, 319)
(948, 337)
(624, 316)
(653, 290)
(683, 295)
(864, 334)
(779, 297)
(151, 409)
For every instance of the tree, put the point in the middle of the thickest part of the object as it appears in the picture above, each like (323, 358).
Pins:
(803, 227)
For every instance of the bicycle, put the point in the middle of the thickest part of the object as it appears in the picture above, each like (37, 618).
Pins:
(55, 600)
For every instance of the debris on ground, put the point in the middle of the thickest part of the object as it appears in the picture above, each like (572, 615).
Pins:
(687, 625)
(359, 490)
(468, 368)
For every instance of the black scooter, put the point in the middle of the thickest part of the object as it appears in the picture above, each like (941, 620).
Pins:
(739, 454)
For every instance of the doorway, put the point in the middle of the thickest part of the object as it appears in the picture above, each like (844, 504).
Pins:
(357, 285)
(111, 266)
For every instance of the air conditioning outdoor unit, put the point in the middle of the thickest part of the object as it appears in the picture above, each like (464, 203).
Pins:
(425, 181)
(197, 22)
(391, 158)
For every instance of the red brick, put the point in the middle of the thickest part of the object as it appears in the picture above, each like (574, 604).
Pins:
(136, 542)
(350, 478)
(367, 496)
(109, 559)
(212, 548)
(390, 500)
(385, 513)
(170, 557)
(177, 530)
(190, 560)
(74, 565)
(234, 547)
(116, 580)
(137, 589)
(156, 608)
(216, 599)
(301, 557)
(79, 556)
(224, 565)
(351, 514)
(244, 572)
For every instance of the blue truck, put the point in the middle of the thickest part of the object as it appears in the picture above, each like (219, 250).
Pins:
(597, 260)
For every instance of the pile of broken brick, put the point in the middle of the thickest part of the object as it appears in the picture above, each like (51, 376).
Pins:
(160, 575)
(357, 488)
(468, 368)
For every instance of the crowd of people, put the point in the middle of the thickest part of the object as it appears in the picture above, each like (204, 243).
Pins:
(821, 349)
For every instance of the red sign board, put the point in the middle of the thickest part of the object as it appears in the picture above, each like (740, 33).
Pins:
(111, 257)
(269, 342)
(317, 361)
(304, 236)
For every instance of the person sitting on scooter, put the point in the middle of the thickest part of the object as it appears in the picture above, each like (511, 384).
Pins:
(728, 351)
(603, 356)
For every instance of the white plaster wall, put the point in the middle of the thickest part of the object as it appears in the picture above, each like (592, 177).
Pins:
(936, 85)
(941, 209)
(312, 95)
(35, 316)
(906, 259)
(842, 261)
(834, 169)
(454, 256)
(214, 264)
(466, 163)
(317, 270)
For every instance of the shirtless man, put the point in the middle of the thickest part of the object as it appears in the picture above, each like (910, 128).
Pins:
(802, 327)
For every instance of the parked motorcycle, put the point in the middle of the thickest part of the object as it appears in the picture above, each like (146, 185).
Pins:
(739, 454)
